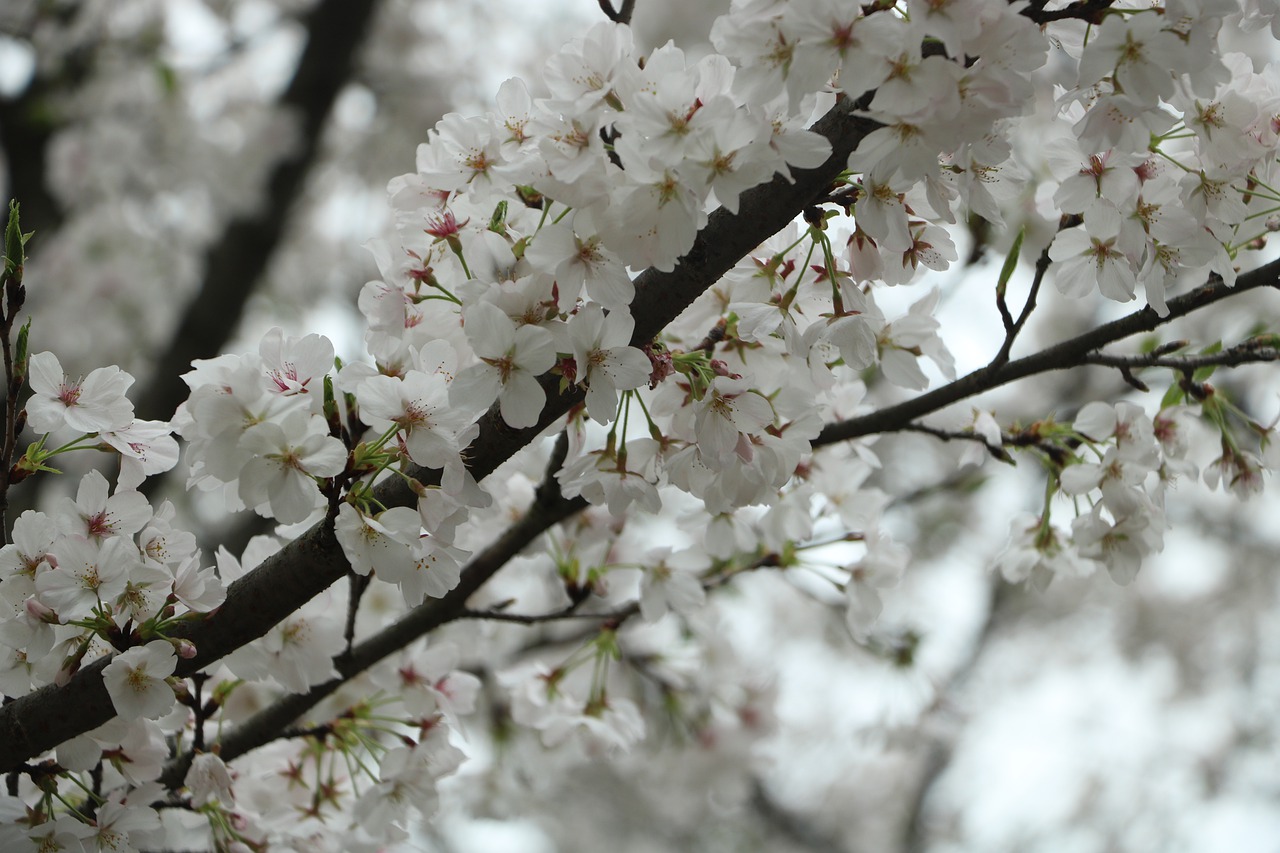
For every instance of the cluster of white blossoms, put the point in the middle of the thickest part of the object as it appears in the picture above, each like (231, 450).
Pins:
(101, 569)
(511, 274)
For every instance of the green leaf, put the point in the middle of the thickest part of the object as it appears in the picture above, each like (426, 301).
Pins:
(1010, 262)
(14, 241)
(1202, 374)
(168, 78)
(1172, 397)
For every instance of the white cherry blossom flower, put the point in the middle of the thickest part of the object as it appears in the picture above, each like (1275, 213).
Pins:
(96, 403)
(380, 543)
(297, 653)
(579, 261)
(436, 570)
(208, 780)
(880, 568)
(728, 411)
(198, 588)
(1139, 52)
(146, 448)
(435, 431)
(1037, 553)
(880, 211)
(429, 681)
(408, 777)
(606, 362)
(1121, 545)
(124, 824)
(33, 536)
(62, 833)
(295, 365)
(135, 680)
(585, 72)
(96, 516)
(288, 457)
(670, 582)
(1091, 256)
(87, 573)
(511, 359)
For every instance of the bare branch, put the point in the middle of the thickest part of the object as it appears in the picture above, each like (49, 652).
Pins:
(996, 450)
(1249, 352)
(618, 16)
(1014, 327)
(1069, 353)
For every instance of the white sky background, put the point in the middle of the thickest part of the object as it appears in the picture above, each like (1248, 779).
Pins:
(1055, 722)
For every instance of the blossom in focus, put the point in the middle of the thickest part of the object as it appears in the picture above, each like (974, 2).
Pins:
(288, 457)
(606, 362)
(135, 680)
(96, 403)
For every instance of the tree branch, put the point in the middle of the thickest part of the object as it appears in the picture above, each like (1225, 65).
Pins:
(1069, 353)
(1014, 327)
(549, 508)
(621, 15)
(1091, 11)
(1249, 352)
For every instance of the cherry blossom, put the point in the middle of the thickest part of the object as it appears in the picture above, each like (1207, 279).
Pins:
(510, 265)
(606, 363)
(511, 359)
(292, 454)
(1093, 255)
(96, 403)
(135, 678)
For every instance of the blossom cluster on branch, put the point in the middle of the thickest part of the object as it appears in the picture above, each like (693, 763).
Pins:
(512, 298)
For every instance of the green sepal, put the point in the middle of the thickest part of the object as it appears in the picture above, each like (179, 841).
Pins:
(14, 241)
(498, 222)
(20, 356)
(330, 407)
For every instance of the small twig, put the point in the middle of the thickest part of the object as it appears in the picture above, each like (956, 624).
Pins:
(568, 612)
(1133, 381)
(197, 706)
(1014, 327)
(996, 450)
(359, 583)
(714, 336)
(1245, 353)
(618, 16)
(1061, 356)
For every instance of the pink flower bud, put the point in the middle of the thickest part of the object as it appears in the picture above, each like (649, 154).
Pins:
(38, 610)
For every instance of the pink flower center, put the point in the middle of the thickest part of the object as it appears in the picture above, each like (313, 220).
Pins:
(69, 395)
